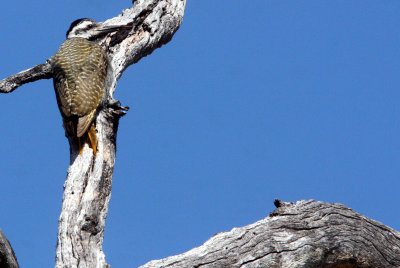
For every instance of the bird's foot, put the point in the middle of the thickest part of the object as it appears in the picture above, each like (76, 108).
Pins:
(117, 108)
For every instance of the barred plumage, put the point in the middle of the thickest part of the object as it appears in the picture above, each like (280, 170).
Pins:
(79, 69)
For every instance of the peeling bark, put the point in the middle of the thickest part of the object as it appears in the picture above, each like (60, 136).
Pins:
(88, 186)
(305, 234)
(87, 190)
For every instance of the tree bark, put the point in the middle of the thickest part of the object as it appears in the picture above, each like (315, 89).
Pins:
(305, 234)
(149, 25)
(87, 189)
(7, 256)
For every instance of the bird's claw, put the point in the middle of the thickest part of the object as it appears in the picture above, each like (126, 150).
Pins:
(117, 107)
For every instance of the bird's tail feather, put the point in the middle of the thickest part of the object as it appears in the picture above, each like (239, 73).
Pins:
(90, 138)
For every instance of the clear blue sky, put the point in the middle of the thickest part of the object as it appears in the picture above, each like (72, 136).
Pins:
(250, 101)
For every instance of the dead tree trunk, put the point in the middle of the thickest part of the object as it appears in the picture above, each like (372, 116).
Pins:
(7, 256)
(305, 234)
(87, 190)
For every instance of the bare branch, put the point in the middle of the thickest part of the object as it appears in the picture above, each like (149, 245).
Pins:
(41, 71)
(305, 234)
(149, 25)
(7, 256)
(152, 23)
(87, 190)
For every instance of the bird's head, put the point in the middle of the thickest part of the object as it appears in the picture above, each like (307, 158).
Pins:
(87, 28)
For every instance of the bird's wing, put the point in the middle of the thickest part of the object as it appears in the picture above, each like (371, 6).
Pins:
(80, 71)
(89, 89)
(63, 92)
(90, 82)
(84, 123)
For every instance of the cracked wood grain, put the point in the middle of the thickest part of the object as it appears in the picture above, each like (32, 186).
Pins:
(305, 234)
(148, 24)
(87, 189)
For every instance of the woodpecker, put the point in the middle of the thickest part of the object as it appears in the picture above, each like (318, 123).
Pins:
(79, 72)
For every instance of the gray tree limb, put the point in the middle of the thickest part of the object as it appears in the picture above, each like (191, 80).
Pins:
(149, 25)
(7, 256)
(41, 71)
(305, 234)
(87, 189)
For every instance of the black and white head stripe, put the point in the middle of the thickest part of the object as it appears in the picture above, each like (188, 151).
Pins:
(79, 21)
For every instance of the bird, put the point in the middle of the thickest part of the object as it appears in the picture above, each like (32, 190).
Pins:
(79, 73)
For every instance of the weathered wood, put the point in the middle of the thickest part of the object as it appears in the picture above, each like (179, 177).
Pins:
(149, 25)
(41, 71)
(7, 256)
(305, 234)
(87, 189)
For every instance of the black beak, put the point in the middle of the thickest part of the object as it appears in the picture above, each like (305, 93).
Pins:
(111, 29)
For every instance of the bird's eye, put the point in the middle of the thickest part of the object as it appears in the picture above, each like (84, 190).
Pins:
(90, 26)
